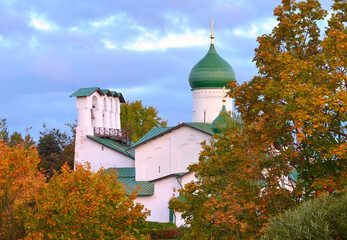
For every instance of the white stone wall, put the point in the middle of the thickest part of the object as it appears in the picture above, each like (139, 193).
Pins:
(164, 190)
(207, 103)
(100, 156)
(158, 203)
(95, 111)
(171, 153)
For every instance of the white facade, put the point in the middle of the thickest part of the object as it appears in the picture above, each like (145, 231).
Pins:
(162, 160)
(97, 110)
(170, 153)
(100, 156)
(158, 203)
(207, 103)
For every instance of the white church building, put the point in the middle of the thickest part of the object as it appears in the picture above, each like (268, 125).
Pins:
(157, 163)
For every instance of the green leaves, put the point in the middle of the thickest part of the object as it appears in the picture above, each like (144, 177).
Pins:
(140, 119)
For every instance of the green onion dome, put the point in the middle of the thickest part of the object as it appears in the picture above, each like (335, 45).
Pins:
(211, 72)
(220, 124)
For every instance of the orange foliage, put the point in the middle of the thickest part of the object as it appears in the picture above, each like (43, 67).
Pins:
(19, 183)
(84, 205)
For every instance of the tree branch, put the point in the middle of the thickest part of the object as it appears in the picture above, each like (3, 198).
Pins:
(338, 132)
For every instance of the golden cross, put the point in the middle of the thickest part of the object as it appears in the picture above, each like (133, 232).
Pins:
(212, 37)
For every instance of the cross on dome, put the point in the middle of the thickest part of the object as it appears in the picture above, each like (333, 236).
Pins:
(212, 36)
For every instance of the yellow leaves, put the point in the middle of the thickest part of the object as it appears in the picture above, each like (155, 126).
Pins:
(85, 205)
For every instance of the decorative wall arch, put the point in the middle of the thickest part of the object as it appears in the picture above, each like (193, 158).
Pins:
(95, 102)
(93, 110)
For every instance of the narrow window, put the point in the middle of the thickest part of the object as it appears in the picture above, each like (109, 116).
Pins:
(204, 116)
(158, 169)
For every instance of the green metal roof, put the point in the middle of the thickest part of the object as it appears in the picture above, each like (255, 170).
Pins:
(294, 174)
(107, 92)
(114, 93)
(85, 92)
(123, 172)
(155, 132)
(212, 71)
(114, 145)
(127, 177)
(220, 124)
(205, 127)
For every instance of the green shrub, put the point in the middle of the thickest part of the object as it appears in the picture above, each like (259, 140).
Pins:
(324, 218)
(160, 226)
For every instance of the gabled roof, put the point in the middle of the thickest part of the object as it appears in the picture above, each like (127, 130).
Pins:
(121, 98)
(119, 95)
(114, 145)
(85, 92)
(114, 93)
(107, 92)
(160, 131)
(127, 177)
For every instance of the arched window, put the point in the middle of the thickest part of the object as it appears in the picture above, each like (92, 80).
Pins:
(104, 112)
(93, 110)
(111, 114)
(111, 104)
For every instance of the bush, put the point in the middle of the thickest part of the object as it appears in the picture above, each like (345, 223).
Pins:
(158, 230)
(164, 233)
(324, 218)
(158, 225)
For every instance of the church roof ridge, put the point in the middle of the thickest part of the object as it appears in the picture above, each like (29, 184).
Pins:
(85, 92)
(154, 132)
(159, 131)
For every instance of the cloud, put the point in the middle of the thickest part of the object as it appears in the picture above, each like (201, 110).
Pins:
(153, 41)
(40, 22)
(109, 44)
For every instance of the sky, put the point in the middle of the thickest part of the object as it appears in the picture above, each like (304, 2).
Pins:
(142, 48)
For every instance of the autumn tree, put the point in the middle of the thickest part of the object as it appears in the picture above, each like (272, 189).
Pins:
(294, 113)
(16, 138)
(4, 134)
(140, 118)
(85, 205)
(19, 182)
(299, 96)
(55, 148)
